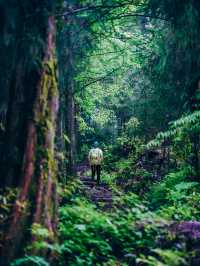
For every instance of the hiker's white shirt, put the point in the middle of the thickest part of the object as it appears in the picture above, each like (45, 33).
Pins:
(95, 156)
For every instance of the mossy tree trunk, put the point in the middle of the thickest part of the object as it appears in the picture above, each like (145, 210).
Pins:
(36, 203)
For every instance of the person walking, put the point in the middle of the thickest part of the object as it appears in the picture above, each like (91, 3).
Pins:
(95, 158)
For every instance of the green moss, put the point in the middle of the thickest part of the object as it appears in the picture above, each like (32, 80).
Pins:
(44, 118)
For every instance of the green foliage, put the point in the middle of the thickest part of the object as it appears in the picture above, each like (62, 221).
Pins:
(80, 230)
(175, 197)
(30, 261)
(67, 192)
(141, 75)
(166, 258)
(141, 182)
(132, 75)
(7, 198)
(179, 129)
(129, 232)
(132, 127)
(109, 178)
(159, 193)
(124, 168)
(184, 137)
(39, 231)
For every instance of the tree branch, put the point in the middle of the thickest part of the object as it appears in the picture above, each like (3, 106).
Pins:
(100, 78)
(100, 7)
(136, 15)
(91, 8)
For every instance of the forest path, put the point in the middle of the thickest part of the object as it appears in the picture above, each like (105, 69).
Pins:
(101, 195)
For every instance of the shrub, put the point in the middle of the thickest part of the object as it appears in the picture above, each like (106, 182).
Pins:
(159, 194)
(91, 237)
(30, 261)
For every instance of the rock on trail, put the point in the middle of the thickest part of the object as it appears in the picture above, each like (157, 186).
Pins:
(101, 195)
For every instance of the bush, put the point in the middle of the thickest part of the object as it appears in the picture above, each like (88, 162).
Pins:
(84, 234)
(91, 237)
(160, 192)
(30, 261)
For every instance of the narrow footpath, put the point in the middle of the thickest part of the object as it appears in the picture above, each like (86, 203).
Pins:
(101, 195)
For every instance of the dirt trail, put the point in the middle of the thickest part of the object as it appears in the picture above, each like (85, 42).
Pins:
(101, 194)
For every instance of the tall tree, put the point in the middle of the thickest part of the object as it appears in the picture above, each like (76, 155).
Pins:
(36, 202)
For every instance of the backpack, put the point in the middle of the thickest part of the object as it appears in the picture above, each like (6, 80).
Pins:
(95, 156)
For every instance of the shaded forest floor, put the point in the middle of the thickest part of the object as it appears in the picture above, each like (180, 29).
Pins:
(116, 225)
(162, 236)
(100, 195)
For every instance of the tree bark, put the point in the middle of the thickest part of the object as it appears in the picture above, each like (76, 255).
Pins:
(12, 96)
(70, 110)
(71, 129)
(36, 203)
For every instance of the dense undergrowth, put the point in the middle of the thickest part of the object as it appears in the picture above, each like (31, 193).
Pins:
(153, 193)
(150, 199)
(135, 232)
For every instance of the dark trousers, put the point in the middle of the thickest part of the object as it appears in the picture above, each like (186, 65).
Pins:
(96, 170)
